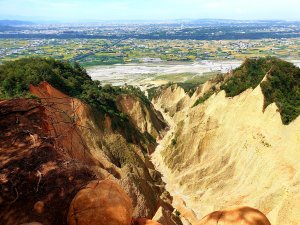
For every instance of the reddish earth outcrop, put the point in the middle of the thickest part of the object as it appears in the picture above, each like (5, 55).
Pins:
(66, 116)
(236, 216)
(37, 179)
(53, 147)
(101, 203)
(144, 221)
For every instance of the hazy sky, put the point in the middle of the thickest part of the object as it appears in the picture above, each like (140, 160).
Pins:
(79, 10)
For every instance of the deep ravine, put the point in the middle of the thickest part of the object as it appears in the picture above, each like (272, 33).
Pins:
(180, 201)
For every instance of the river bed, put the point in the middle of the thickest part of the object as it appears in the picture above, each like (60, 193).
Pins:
(147, 73)
(141, 74)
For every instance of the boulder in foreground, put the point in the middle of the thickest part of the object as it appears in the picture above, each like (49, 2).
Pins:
(101, 203)
(236, 216)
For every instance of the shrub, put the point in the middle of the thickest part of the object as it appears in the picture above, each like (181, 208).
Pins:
(248, 75)
(282, 85)
(203, 98)
(174, 142)
(72, 79)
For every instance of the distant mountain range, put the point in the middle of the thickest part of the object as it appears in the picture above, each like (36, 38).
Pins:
(175, 21)
(14, 22)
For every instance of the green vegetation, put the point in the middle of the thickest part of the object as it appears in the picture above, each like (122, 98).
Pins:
(189, 88)
(177, 213)
(120, 152)
(101, 60)
(203, 98)
(200, 79)
(156, 91)
(107, 52)
(72, 79)
(129, 89)
(153, 92)
(249, 75)
(189, 85)
(175, 78)
(282, 85)
(16, 77)
(174, 141)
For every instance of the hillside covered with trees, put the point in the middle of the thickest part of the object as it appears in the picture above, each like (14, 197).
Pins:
(282, 84)
(72, 79)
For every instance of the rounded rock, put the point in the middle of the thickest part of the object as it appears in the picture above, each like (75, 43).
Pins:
(144, 221)
(236, 216)
(101, 203)
(39, 207)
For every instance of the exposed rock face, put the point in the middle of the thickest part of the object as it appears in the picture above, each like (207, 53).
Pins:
(170, 99)
(166, 217)
(143, 116)
(144, 221)
(229, 152)
(101, 203)
(38, 180)
(237, 216)
(52, 148)
(174, 99)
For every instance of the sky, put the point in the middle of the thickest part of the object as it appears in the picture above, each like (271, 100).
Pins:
(97, 10)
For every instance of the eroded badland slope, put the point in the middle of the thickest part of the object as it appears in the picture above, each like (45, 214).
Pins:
(55, 147)
(76, 152)
(231, 151)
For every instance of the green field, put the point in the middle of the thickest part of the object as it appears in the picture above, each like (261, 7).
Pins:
(105, 52)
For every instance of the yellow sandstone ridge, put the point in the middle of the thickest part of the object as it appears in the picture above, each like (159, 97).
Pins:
(228, 152)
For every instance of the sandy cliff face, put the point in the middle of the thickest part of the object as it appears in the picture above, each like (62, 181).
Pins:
(143, 116)
(52, 148)
(170, 100)
(227, 152)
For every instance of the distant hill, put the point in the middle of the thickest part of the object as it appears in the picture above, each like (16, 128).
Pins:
(14, 22)
(230, 21)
